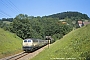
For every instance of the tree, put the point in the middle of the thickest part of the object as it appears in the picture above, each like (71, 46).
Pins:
(38, 27)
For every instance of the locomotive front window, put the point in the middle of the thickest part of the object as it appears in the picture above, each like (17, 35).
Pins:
(25, 40)
(29, 40)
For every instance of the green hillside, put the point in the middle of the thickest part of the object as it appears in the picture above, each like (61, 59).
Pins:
(7, 22)
(73, 46)
(9, 43)
(69, 14)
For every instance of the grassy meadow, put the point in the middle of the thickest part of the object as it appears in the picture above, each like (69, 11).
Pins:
(9, 43)
(73, 46)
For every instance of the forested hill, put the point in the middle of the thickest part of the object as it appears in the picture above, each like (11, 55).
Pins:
(38, 27)
(69, 14)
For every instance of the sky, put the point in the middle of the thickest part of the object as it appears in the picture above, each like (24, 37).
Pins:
(12, 8)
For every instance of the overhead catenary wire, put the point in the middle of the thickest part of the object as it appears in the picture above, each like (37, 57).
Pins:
(11, 6)
(14, 6)
(2, 14)
(5, 13)
(8, 6)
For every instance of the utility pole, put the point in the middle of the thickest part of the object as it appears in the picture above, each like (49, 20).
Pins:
(48, 38)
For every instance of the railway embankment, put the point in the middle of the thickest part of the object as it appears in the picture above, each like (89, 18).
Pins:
(73, 46)
(10, 44)
(25, 55)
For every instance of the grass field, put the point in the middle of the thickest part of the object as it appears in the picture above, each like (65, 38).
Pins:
(73, 46)
(7, 22)
(9, 43)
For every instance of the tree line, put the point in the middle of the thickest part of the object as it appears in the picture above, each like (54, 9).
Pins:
(26, 26)
(69, 14)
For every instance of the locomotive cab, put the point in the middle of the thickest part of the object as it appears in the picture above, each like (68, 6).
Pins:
(27, 44)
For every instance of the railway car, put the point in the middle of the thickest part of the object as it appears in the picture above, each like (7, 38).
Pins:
(32, 44)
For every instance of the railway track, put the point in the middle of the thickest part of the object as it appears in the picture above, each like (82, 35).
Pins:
(24, 55)
(15, 57)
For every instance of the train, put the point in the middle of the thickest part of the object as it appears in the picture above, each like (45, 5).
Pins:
(31, 44)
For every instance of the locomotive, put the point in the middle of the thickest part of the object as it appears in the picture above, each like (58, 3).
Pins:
(31, 44)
